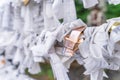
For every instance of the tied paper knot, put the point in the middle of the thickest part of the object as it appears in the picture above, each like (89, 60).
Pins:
(72, 41)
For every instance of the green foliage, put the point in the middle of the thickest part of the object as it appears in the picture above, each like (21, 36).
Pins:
(112, 11)
(81, 11)
(45, 74)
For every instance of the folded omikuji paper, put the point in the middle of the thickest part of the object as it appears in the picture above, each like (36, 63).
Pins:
(9, 72)
(31, 34)
(38, 1)
(69, 11)
(115, 2)
(89, 3)
(101, 49)
(58, 7)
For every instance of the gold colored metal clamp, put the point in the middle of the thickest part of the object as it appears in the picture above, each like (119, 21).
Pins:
(2, 62)
(116, 24)
(26, 2)
(71, 44)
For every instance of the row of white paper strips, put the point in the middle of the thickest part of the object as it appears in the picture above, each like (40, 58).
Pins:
(28, 35)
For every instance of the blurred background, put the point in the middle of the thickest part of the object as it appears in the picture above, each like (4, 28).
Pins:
(93, 17)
